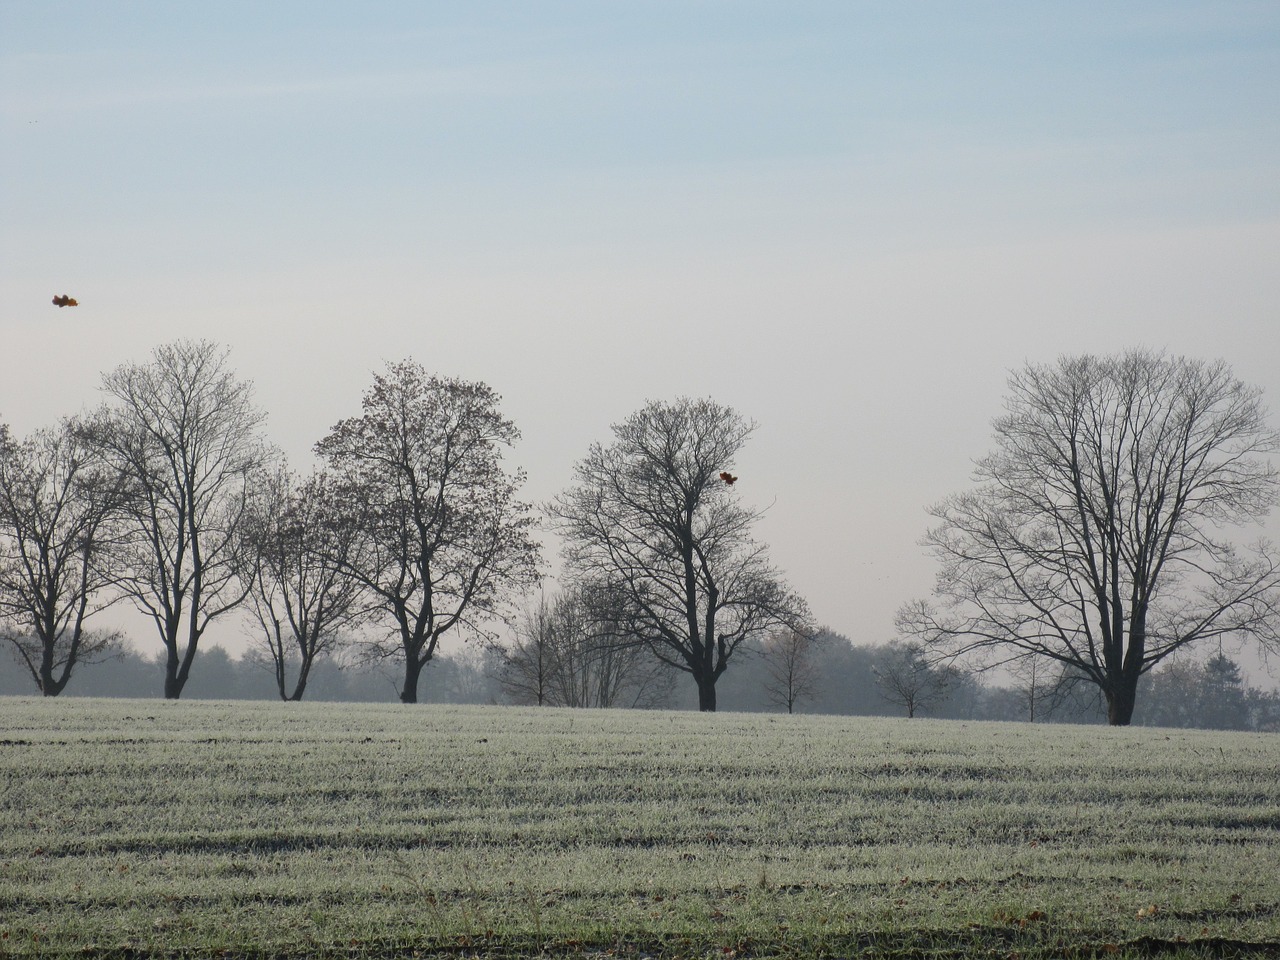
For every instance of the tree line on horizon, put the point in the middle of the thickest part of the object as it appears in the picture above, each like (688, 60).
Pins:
(832, 676)
(1097, 543)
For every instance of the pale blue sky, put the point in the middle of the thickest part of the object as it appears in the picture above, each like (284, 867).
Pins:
(849, 220)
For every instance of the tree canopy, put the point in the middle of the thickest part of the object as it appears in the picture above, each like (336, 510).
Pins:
(183, 433)
(1100, 530)
(440, 539)
(652, 517)
(56, 560)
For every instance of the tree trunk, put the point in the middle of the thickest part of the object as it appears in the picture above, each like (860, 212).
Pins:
(412, 671)
(1121, 698)
(178, 669)
(173, 680)
(172, 686)
(51, 686)
(303, 672)
(707, 694)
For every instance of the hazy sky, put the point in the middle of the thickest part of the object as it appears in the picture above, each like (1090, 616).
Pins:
(848, 220)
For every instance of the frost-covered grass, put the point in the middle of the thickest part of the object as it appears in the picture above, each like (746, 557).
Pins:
(142, 827)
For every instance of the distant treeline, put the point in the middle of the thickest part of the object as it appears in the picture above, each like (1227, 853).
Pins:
(851, 681)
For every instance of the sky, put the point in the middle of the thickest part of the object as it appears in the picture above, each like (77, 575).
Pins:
(848, 220)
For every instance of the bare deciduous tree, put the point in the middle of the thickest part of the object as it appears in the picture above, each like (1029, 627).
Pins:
(906, 676)
(652, 516)
(529, 663)
(56, 502)
(578, 650)
(184, 433)
(603, 662)
(575, 651)
(1095, 535)
(441, 540)
(791, 669)
(1045, 686)
(300, 595)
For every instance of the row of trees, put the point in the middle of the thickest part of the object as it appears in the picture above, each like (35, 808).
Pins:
(168, 497)
(843, 678)
(1099, 540)
(558, 658)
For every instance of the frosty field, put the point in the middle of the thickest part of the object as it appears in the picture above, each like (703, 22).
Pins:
(139, 828)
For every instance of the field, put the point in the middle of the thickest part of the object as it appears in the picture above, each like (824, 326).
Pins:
(145, 828)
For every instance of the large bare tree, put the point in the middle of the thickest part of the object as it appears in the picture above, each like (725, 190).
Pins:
(185, 433)
(1099, 534)
(655, 515)
(301, 597)
(56, 504)
(441, 540)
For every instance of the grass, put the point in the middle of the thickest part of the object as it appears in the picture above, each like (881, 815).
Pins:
(144, 828)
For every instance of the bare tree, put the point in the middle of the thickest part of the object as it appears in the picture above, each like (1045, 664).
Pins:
(654, 515)
(906, 676)
(1038, 684)
(574, 651)
(791, 670)
(1095, 535)
(529, 663)
(441, 540)
(184, 433)
(301, 598)
(56, 502)
(598, 660)
(1045, 687)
